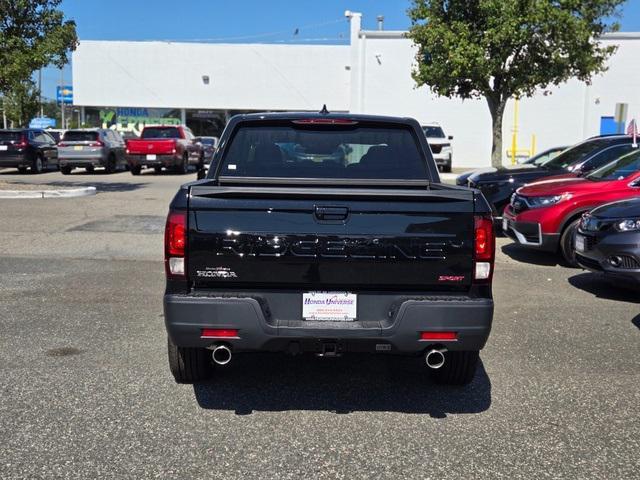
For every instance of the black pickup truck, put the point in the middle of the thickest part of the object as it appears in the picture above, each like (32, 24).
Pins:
(327, 233)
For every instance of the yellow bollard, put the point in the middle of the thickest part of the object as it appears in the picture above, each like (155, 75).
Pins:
(533, 144)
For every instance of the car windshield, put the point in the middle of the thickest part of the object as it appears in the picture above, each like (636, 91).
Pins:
(160, 132)
(10, 136)
(433, 132)
(80, 136)
(572, 155)
(619, 169)
(311, 151)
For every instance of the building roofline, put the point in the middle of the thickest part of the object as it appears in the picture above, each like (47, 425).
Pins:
(403, 34)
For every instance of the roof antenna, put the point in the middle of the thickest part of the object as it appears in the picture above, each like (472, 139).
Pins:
(324, 110)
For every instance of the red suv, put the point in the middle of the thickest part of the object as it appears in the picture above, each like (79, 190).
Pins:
(544, 215)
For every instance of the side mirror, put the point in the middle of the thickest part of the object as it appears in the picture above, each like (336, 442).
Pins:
(450, 137)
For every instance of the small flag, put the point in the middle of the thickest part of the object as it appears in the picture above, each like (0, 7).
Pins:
(632, 131)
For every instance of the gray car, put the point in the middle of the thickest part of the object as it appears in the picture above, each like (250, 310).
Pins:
(91, 148)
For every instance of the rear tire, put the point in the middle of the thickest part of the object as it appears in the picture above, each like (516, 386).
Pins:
(89, 169)
(184, 166)
(37, 166)
(110, 167)
(65, 170)
(22, 170)
(459, 368)
(189, 365)
(446, 168)
(136, 169)
(567, 241)
(158, 170)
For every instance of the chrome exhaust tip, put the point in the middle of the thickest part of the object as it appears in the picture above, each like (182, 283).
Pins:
(221, 355)
(435, 358)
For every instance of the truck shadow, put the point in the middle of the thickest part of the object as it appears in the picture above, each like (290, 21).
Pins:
(521, 254)
(595, 284)
(266, 382)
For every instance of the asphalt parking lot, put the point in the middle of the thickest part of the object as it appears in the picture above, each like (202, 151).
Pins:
(86, 391)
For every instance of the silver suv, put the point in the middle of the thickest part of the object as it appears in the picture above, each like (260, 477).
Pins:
(90, 148)
(440, 145)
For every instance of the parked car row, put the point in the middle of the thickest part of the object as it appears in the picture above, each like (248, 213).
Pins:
(584, 204)
(36, 150)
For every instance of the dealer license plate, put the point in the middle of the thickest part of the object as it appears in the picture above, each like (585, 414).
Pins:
(151, 157)
(78, 147)
(329, 306)
(579, 243)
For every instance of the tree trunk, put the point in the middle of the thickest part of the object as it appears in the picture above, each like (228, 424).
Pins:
(496, 108)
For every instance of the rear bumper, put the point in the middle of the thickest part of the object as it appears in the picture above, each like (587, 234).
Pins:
(159, 161)
(86, 160)
(185, 316)
(12, 161)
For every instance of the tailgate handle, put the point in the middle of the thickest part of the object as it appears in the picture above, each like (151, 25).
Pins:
(331, 214)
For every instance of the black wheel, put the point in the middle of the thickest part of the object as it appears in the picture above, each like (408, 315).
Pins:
(65, 170)
(22, 170)
(37, 166)
(136, 169)
(110, 167)
(89, 169)
(446, 168)
(567, 243)
(459, 368)
(184, 166)
(189, 365)
(158, 170)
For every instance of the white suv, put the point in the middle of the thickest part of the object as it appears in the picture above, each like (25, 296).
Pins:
(440, 145)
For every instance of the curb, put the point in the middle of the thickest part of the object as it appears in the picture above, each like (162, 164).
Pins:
(69, 193)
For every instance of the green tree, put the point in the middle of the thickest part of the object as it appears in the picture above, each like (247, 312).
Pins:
(33, 34)
(21, 103)
(498, 49)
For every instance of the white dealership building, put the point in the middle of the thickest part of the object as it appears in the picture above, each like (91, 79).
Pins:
(124, 85)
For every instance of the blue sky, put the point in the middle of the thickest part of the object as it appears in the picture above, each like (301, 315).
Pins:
(273, 21)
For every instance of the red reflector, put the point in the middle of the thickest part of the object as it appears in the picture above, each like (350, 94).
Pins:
(175, 234)
(438, 336)
(218, 333)
(325, 121)
(485, 239)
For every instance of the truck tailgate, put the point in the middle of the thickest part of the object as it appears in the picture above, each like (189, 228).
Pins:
(330, 238)
(158, 147)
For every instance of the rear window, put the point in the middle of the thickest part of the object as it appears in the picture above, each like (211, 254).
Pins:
(160, 132)
(79, 136)
(10, 136)
(311, 151)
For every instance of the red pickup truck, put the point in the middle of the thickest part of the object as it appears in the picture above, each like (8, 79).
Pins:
(167, 146)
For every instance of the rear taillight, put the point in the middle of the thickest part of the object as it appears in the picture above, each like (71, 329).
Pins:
(439, 336)
(23, 142)
(97, 143)
(175, 240)
(62, 144)
(219, 333)
(484, 248)
(325, 121)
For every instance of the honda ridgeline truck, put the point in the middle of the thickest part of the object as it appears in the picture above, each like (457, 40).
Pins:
(327, 233)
